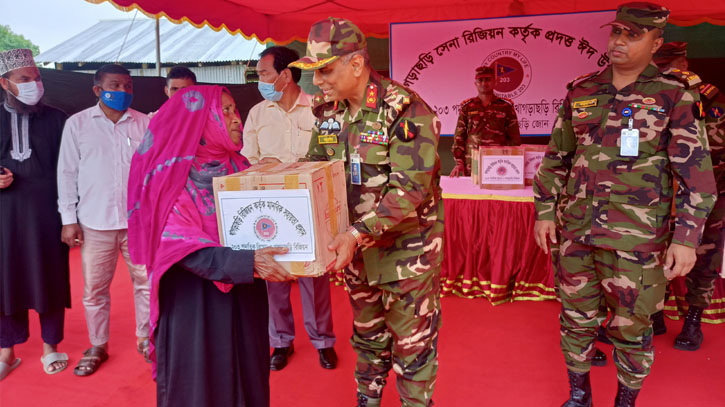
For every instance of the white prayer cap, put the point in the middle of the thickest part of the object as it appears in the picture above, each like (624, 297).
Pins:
(15, 59)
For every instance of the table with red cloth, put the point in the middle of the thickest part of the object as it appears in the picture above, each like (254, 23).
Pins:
(489, 248)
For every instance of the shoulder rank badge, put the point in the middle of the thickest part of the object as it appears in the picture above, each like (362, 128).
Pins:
(406, 130)
(371, 96)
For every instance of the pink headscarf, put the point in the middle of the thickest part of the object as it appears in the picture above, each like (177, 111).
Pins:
(171, 210)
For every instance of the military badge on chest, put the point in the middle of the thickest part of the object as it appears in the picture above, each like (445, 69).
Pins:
(328, 131)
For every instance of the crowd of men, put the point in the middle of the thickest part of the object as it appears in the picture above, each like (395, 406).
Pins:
(607, 208)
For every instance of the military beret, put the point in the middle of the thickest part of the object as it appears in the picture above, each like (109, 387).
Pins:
(670, 51)
(330, 39)
(640, 17)
(485, 71)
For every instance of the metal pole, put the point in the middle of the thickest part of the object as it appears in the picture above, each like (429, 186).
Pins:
(158, 49)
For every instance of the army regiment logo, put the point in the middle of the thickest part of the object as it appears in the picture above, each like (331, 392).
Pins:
(513, 72)
(265, 228)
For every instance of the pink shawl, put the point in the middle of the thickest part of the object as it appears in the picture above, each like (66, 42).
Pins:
(169, 214)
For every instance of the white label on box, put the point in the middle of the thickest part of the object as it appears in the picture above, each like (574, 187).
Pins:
(532, 161)
(253, 220)
(502, 169)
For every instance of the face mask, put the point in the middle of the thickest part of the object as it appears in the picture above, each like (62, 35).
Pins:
(29, 93)
(116, 100)
(268, 92)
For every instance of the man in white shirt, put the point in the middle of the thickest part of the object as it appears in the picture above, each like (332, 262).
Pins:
(93, 168)
(278, 129)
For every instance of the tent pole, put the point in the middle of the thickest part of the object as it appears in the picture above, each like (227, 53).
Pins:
(158, 49)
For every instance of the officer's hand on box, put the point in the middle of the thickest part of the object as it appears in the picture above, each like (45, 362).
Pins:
(683, 258)
(544, 229)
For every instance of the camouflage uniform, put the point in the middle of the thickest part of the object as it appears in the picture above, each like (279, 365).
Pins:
(393, 281)
(479, 125)
(615, 220)
(701, 280)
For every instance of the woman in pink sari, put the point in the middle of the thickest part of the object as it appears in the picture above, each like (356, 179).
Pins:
(208, 303)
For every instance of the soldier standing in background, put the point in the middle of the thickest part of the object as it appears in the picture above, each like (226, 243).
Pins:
(485, 120)
(701, 281)
(388, 138)
(619, 138)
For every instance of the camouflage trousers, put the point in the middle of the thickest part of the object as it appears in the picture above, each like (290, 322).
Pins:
(701, 280)
(395, 325)
(631, 284)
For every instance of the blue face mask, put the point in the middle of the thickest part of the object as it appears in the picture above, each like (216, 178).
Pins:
(116, 100)
(268, 92)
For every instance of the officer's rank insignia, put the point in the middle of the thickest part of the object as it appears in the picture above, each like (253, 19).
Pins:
(330, 151)
(716, 112)
(698, 111)
(406, 130)
(374, 137)
(371, 97)
(648, 101)
(584, 103)
(583, 115)
(327, 139)
(330, 126)
(707, 90)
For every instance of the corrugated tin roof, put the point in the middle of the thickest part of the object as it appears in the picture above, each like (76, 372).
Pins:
(180, 43)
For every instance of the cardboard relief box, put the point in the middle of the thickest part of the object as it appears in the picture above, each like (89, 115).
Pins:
(500, 168)
(301, 206)
(533, 155)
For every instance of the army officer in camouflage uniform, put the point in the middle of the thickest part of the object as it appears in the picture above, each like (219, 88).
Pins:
(388, 138)
(620, 137)
(485, 120)
(701, 281)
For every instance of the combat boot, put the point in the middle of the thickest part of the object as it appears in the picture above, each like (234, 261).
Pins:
(625, 396)
(658, 323)
(691, 336)
(367, 401)
(600, 358)
(580, 390)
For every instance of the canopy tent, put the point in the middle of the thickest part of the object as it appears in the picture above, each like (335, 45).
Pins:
(284, 21)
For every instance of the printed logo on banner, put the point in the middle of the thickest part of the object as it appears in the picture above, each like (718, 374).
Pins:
(265, 228)
(513, 72)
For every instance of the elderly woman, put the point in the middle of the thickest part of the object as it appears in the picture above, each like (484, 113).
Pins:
(208, 303)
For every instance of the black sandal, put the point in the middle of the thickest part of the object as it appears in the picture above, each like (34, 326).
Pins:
(92, 359)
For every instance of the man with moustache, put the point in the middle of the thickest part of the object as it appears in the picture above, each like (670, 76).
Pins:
(620, 137)
(33, 260)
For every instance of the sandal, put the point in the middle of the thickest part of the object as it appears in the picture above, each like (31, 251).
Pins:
(91, 361)
(51, 358)
(144, 348)
(5, 368)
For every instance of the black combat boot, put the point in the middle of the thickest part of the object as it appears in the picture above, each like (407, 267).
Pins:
(625, 396)
(580, 393)
(691, 336)
(366, 401)
(658, 323)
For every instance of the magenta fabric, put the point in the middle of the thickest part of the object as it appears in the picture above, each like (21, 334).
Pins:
(169, 216)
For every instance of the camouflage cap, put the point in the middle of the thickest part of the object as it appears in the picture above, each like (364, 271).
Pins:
(670, 51)
(330, 39)
(640, 17)
(15, 59)
(485, 71)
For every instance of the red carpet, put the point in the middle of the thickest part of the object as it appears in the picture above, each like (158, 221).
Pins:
(489, 356)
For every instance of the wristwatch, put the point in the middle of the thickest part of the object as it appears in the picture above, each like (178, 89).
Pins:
(358, 236)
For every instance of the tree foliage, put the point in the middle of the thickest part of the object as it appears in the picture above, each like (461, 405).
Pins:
(10, 40)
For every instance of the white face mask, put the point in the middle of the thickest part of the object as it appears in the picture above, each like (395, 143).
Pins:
(29, 93)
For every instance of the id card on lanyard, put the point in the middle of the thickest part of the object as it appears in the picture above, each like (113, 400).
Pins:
(355, 177)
